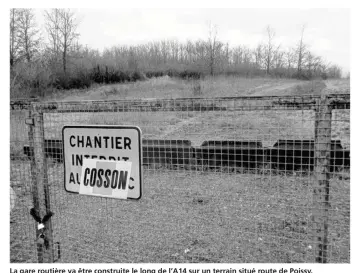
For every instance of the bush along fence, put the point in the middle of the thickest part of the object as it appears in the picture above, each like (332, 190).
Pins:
(271, 175)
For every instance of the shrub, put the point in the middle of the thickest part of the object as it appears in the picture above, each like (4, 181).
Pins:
(196, 88)
(190, 75)
(137, 76)
(154, 74)
(324, 76)
(62, 82)
(172, 73)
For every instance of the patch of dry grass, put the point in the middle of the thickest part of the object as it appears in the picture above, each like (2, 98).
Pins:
(209, 87)
(339, 86)
(187, 216)
(152, 124)
(264, 126)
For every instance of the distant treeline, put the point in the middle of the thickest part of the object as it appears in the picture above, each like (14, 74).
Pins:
(80, 79)
(62, 63)
(107, 75)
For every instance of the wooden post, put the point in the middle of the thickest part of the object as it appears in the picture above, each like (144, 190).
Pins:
(39, 183)
(321, 185)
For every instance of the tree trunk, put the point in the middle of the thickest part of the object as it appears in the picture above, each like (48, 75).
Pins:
(64, 60)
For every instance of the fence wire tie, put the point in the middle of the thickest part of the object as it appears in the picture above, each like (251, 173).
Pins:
(37, 218)
(41, 227)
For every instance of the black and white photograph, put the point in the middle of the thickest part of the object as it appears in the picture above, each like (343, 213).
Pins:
(179, 136)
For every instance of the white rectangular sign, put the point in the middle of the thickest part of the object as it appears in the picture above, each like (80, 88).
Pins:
(103, 143)
(105, 178)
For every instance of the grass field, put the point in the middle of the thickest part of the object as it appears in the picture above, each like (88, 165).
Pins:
(184, 216)
(203, 217)
(166, 87)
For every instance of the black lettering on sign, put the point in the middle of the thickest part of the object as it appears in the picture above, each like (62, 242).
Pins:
(100, 181)
(79, 160)
(107, 182)
(80, 142)
(77, 178)
(71, 143)
(72, 179)
(97, 140)
(127, 143)
(122, 180)
(118, 142)
(86, 181)
(93, 178)
(114, 179)
(88, 142)
(106, 141)
(131, 187)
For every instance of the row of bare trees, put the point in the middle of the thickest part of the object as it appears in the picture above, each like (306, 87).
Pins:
(24, 38)
(212, 56)
(25, 41)
(35, 59)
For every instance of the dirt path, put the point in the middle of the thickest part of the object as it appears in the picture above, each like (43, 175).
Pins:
(271, 89)
(178, 126)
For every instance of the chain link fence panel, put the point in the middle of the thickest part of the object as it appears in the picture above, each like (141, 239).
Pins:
(225, 180)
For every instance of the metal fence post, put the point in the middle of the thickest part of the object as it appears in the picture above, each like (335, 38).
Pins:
(321, 186)
(39, 182)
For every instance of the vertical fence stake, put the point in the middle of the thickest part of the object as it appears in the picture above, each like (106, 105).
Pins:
(321, 186)
(39, 183)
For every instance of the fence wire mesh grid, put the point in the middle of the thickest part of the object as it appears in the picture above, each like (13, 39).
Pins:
(226, 180)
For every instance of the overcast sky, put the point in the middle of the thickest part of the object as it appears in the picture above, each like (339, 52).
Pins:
(327, 30)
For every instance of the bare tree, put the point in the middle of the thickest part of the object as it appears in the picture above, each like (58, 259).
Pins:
(52, 22)
(279, 62)
(226, 57)
(61, 25)
(334, 71)
(174, 47)
(189, 48)
(246, 55)
(309, 60)
(164, 45)
(14, 41)
(258, 56)
(132, 59)
(301, 49)
(317, 62)
(290, 60)
(238, 55)
(269, 48)
(28, 32)
(211, 47)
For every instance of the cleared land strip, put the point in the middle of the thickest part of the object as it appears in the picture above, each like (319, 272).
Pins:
(178, 126)
(188, 104)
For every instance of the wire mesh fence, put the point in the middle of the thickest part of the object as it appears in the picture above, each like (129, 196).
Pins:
(225, 180)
